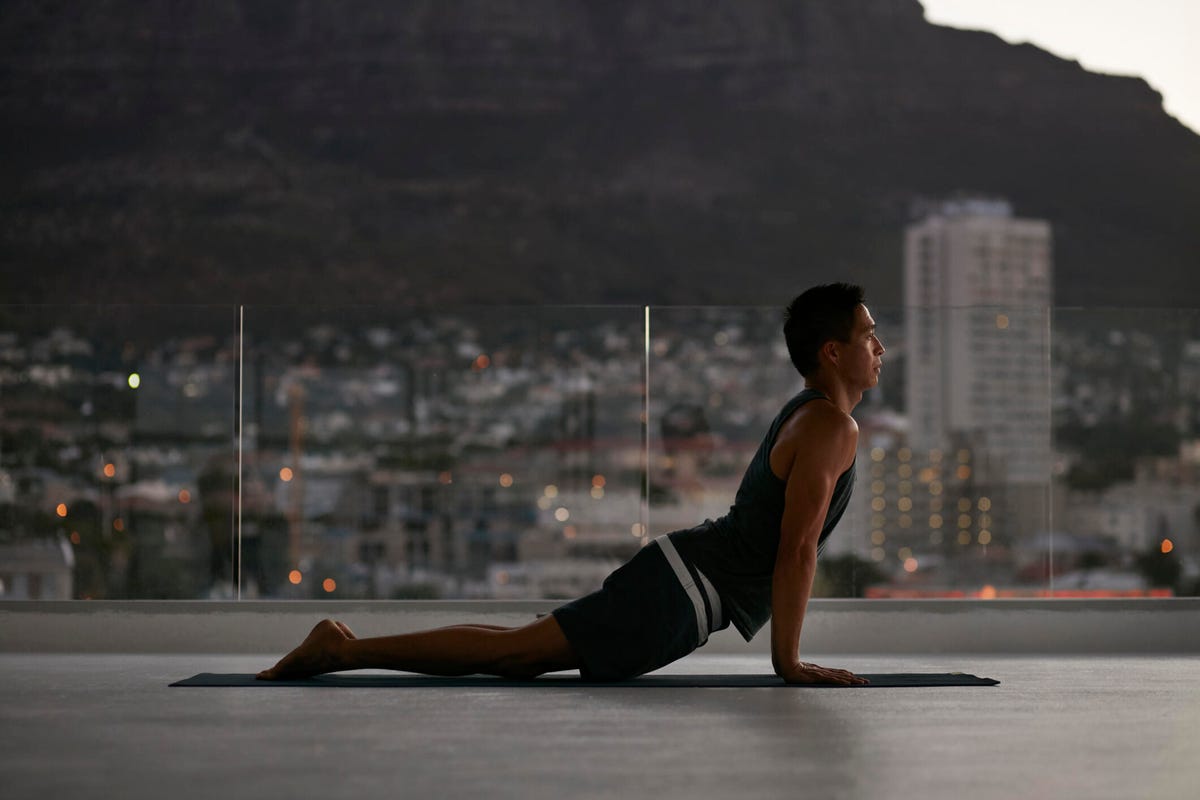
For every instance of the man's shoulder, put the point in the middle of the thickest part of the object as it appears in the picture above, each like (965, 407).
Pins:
(820, 418)
(819, 426)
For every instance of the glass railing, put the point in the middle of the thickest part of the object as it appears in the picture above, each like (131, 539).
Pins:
(357, 453)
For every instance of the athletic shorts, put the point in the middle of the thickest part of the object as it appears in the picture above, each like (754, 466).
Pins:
(651, 611)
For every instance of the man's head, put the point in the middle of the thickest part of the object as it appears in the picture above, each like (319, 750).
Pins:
(819, 315)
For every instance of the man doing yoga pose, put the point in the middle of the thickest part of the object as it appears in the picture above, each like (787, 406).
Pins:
(753, 565)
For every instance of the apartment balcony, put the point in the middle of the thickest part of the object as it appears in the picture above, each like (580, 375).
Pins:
(204, 484)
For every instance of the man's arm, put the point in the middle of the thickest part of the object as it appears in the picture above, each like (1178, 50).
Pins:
(825, 442)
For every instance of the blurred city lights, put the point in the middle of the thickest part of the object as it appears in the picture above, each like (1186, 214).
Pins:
(285, 474)
(987, 592)
(110, 470)
(118, 524)
(445, 477)
(550, 491)
(135, 380)
(329, 584)
(294, 577)
(910, 565)
(562, 515)
(185, 496)
(1167, 546)
(61, 509)
(506, 480)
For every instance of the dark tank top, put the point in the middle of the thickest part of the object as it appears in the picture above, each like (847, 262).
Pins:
(737, 552)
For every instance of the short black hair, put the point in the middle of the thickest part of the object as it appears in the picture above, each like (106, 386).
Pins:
(815, 317)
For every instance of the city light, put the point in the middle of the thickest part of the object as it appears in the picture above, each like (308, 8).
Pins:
(118, 524)
(134, 380)
(598, 481)
(329, 584)
(185, 496)
(963, 472)
(910, 565)
(637, 529)
(570, 532)
(482, 362)
(878, 504)
(285, 474)
(110, 470)
(1002, 321)
(506, 480)
(544, 503)
(985, 504)
(597, 492)
(877, 454)
(964, 504)
(75, 538)
(987, 592)
(935, 521)
(294, 577)
(550, 491)
(1167, 546)
(445, 478)
(878, 537)
(61, 509)
(985, 537)
(562, 514)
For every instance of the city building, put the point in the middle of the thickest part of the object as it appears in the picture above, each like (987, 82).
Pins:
(978, 291)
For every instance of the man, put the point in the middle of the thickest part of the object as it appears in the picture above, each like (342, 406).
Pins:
(754, 564)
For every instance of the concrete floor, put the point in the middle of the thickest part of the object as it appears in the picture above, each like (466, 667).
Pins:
(1057, 727)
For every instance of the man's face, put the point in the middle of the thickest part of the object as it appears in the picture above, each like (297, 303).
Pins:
(862, 356)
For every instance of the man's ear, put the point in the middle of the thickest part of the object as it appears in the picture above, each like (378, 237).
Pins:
(831, 351)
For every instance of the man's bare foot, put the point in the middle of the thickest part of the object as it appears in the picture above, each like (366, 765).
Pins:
(321, 651)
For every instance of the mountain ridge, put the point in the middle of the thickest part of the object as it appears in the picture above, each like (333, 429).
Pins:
(504, 151)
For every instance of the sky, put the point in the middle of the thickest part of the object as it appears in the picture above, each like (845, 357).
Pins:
(1153, 39)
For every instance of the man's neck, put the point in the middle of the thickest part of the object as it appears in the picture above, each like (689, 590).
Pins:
(837, 392)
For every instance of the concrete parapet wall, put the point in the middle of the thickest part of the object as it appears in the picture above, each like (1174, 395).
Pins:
(833, 626)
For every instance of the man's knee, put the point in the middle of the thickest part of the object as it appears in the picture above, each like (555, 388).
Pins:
(531, 651)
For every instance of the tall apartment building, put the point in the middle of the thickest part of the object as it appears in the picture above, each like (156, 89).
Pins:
(978, 291)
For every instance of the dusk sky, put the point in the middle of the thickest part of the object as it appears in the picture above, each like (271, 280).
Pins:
(1153, 39)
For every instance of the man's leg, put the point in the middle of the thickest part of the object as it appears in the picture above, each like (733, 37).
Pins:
(523, 652)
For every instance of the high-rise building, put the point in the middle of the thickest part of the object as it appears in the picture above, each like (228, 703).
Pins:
(978, 291)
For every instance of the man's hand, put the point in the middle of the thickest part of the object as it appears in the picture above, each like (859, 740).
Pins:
(802, 672)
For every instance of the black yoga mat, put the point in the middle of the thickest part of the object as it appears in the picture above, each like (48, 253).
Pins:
(573, 681)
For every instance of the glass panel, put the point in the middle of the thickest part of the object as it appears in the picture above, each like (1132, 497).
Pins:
(944, 492)
(116, 452)
(1127, 463)
(474, 453)
(966, 494)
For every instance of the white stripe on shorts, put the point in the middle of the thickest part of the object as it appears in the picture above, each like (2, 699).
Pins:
(689, 585)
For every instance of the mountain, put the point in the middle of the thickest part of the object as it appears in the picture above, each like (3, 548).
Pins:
(555, 151)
